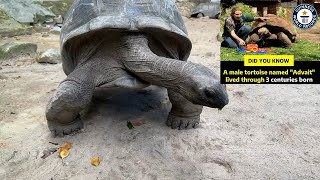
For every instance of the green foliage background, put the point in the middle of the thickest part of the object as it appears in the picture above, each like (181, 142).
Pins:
(302, 50)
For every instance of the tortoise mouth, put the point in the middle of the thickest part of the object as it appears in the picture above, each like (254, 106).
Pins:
(103, 85)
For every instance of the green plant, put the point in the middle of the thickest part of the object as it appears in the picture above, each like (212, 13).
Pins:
(3, 15)
(302, 50)
(282, 12)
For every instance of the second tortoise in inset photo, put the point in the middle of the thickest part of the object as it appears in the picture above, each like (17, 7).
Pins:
(275, 31)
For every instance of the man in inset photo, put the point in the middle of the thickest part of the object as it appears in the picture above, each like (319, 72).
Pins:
(235, 31)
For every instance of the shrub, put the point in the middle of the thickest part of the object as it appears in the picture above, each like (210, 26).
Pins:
(282, 12)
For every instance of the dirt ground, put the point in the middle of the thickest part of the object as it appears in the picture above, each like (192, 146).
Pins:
(312, 34)
(265, 132)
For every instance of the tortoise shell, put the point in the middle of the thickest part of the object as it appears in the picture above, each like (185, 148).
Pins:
(159, 19)
(275, 25)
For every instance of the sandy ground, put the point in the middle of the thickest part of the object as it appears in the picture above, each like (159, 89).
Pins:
(265, 132)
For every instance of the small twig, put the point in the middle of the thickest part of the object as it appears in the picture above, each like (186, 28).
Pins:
(13, 155)
(53, 143)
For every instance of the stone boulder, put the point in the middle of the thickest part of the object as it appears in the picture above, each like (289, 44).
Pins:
(25, 11)
(58, 7)
(10, 27)
(18, 50)
(55, 30)
(51, 56)
(19, 17)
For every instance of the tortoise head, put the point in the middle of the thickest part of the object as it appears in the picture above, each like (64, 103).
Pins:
(206, 89)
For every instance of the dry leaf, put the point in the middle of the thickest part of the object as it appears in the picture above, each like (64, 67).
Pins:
(63, 152)
(67, 145)
(137, 123)
(95, 161)
(230, 88)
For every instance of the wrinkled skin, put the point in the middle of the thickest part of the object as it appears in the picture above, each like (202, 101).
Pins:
(126, 60)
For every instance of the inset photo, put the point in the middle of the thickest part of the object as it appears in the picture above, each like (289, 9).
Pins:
(269, 27)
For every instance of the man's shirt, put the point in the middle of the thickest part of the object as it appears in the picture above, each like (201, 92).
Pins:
(232, 25)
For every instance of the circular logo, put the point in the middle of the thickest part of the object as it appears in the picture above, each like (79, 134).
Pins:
(304, 16)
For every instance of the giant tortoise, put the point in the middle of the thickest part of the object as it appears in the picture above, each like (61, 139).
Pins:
(210, 9)
(130, 44)
(275, 31)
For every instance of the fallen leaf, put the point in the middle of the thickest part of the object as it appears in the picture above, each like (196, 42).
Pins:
(63, 152)
(95, 161)
(230, 88)
(129, 125)
(137, 123)
(67, 145)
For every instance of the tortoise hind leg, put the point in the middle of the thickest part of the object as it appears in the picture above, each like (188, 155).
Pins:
(284, 39)
(183, 114)
(72, 96)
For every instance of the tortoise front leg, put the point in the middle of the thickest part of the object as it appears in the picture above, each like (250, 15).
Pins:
(183, 114)
(72, 96)
(195, 82)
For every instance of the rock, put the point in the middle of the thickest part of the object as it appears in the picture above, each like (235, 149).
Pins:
(10, 27)
(45, 34)
(58, 7)
(2, 77)
(184, 18)
(55, 30)
(211, 10)
(51, 56)
(59, 25)
(17, 50)
(195, 1)
(25, 11)
(58, 19)
(40, 29)
(49, 21)
(219, 37)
